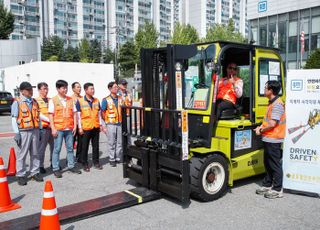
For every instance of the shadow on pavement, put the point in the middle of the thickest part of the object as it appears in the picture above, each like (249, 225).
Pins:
(17, 199)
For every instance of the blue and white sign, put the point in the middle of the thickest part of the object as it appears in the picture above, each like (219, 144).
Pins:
(301, 153)
(262, 6)
(242, 139)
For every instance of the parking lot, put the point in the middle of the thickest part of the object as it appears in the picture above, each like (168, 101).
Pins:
(240, 208)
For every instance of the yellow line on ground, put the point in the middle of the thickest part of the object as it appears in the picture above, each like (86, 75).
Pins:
(135, 195)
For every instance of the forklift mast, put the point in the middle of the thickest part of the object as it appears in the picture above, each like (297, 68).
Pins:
(152, 135)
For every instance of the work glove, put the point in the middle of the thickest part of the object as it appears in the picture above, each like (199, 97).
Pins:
(17, 139)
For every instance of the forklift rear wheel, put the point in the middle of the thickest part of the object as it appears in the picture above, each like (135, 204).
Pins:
(209, 177)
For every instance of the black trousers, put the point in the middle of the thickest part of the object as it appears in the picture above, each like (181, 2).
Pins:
(222, 105)
(77, 138)
(273, 166)
(88, 135)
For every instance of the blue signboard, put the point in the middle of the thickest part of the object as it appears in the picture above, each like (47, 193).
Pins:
(262, 6)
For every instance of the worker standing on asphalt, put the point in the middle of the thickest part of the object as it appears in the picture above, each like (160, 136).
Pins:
(89, 124)
(45, 133)
(111, 114)
(63, 121)
(273, 132)
(76, 88)
(26, 122)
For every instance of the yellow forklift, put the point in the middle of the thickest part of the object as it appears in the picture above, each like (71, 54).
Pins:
(174, 142)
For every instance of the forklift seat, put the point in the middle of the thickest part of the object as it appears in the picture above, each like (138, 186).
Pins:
(232, 113)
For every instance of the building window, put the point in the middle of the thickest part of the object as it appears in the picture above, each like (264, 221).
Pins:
(282, 36)
(315, 37)
(273, 35)
(293, 36)
(263, 35)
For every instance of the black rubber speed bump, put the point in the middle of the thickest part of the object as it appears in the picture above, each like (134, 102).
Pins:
(87, 209)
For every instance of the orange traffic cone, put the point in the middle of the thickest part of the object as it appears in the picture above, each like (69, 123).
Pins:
(11, 170)
(49, 214)
(6, 203)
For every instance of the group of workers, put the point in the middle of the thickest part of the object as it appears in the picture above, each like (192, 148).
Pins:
(38, 122)
(42, 121)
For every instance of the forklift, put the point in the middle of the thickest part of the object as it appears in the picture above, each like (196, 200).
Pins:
(174, 142)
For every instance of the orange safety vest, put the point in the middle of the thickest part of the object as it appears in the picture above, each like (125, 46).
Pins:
(113, 113)
(28, 119)
(43, 106)
(279, 131)
(226, 91)
(89, 116)
(63, 116)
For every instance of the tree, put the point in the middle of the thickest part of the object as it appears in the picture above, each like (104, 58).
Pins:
(146, 37)
(95, 51)
(184, 34)
(6, 22)
(84, 49)
(52, 46)
(108, 56)
(225, 33)
(127, 59)
(313, 61)
(71, 54)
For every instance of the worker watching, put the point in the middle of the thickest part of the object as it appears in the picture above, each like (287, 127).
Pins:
(272, 129)
(45, 133)
(229, 89)
(25, 123)
(111, 114)
(76, 88)
(63, 121)
(89, 124)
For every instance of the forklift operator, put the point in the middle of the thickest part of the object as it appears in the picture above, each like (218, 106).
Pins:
(230, 88)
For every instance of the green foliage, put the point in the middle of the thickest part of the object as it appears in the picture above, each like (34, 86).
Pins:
(313, 61)
(84, 49)
(184, 34)
(52, 46)
(72, 54)
(53, 58)
(108, 56)
(95, 51)
(146, 37)
(127, 59)
(225, 33)
(6, 22)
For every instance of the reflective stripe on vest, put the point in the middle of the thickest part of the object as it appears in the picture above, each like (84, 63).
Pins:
(28, 119)
(226, 91)
(43, 106)
(63, 116)
(89, 116)
(279, 131)
(113, 113)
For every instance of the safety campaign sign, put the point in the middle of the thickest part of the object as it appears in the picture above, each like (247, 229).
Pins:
(301, 155)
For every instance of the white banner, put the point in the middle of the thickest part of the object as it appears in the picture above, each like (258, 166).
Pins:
(301, 155)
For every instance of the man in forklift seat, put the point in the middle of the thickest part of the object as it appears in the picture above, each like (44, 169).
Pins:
(272, 130)
(229, 89)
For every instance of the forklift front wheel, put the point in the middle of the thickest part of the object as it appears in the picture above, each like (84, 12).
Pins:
(209, 177)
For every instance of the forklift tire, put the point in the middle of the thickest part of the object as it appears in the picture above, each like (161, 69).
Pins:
(209, 177)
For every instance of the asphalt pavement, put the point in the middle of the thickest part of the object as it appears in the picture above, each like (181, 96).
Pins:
(240, 208)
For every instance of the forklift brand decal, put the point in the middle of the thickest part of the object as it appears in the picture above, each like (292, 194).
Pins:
(242, 139)
(184, 130)
(301, 151)
(179, 90)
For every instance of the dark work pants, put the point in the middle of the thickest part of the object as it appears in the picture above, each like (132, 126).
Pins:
(222, 105)
(88, 135)
(273, 166)
(77, 138)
